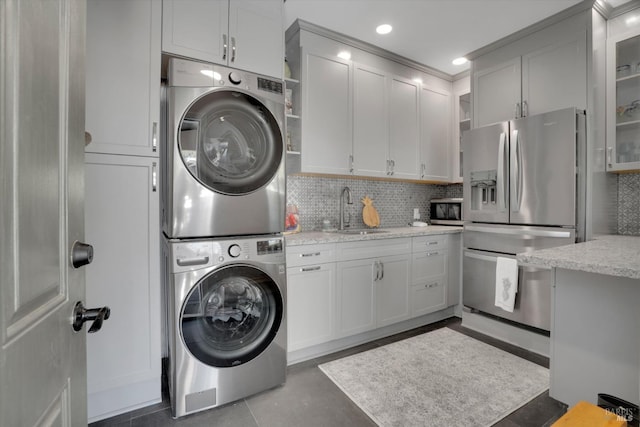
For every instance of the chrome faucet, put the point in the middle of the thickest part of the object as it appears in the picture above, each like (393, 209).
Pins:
(344, 223)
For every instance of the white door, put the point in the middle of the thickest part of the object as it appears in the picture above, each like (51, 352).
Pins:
(370, 122)
(435, 133)
(404, 137)
(42, 359)
(497, 93)
(326, 127)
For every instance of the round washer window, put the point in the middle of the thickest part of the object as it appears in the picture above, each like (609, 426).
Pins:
(231, 316)
(230, 142)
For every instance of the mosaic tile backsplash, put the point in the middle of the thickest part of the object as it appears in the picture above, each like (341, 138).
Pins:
(319, 198)
(629, 204)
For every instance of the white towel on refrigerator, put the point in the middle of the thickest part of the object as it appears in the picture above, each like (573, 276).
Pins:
(506, 283)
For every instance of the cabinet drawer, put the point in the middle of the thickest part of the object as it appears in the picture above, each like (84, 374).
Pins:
(373, 248)
(429, 243)
(429, 296)
(428, 264)
(311, 254)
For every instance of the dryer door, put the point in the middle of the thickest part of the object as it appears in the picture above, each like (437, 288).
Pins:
(230, 142)
(231, 316)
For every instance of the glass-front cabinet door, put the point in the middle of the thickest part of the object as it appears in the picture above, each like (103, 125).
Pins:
(623, 102)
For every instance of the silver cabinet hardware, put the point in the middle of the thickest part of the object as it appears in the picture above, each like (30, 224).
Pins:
(381, 270)
(350, 163)
(422, 170)
(154, 137)
(518, 110)
(432, 253)
(316, 268)
(154, 177)
(310, 254)
(224, 47)
(233, 49)
(434, 242)
(525, 109)
(609, 156)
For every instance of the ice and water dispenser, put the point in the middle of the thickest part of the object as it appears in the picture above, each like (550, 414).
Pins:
(484, 190)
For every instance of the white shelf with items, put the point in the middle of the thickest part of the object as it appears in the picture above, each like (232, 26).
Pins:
(623, 102)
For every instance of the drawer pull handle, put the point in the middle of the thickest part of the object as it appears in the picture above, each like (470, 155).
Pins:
(316, 268)
(433, 253)
(432, 243)
(431, 285)
(312, 254)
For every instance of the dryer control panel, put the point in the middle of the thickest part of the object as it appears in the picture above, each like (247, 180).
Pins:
(198, 254)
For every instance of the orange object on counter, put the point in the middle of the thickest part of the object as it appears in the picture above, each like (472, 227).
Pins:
(585, 414)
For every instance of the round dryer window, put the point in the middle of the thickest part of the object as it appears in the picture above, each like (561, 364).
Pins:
(230, 142)
(231, 316)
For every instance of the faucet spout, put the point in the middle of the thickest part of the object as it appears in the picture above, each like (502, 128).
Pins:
(343, 223)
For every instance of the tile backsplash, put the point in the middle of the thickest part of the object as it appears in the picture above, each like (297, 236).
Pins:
(629, 204)
(318, 198)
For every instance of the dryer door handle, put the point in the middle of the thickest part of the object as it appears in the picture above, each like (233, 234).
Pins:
(187, 262)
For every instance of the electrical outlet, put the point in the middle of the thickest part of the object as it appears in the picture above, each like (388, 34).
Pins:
(416, 213)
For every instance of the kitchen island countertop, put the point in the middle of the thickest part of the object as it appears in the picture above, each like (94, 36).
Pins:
(315, 237)
(613, 255)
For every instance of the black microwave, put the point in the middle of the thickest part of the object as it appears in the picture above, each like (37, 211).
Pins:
(447, 211)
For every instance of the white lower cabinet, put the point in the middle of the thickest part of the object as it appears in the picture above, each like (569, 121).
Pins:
(122, 224)
(311, 288)
(429, 275)
(344, 289)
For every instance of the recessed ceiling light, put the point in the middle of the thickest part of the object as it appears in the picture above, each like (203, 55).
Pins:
(344, 55)
(417, 80)
(459, 61)
(384, 29)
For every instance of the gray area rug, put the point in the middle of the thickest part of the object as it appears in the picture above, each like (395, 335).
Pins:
(441, 378)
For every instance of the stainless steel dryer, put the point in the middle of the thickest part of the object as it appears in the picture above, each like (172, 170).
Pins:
(226, 319)
(224, 152)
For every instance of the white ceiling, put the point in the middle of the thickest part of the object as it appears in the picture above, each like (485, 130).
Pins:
(431, 32)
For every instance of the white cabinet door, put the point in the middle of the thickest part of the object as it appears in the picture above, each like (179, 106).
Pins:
(497, 93)
(244, 34)
(256, 36)
(404, 134)
(356, 297)
(370, 122)
(123, 76)
(392, 289)
(327, 107)
(435, 133)
(555, 77)
(122, 223)
(196, 29)
(310, 303)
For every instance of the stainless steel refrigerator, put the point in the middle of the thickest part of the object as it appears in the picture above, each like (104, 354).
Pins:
(524, 189)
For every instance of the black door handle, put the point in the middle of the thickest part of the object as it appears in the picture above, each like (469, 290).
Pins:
(97, 315)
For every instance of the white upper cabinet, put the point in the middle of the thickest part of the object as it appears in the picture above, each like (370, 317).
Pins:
(370, 122)
(123, 77)
(244, 34)
(542, 72)
(404, 135)
(555, 77)
(496, 92)
(623, 101)
(327, 108)
(435, 133)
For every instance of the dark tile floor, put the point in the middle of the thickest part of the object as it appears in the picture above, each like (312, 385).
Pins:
(310, 399)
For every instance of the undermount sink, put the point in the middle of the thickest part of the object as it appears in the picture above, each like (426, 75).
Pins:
(360, 231)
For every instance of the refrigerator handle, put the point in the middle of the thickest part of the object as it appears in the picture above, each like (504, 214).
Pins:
(516, 172)
(500, 176)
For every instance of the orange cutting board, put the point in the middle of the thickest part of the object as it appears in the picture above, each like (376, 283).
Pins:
(369, 213)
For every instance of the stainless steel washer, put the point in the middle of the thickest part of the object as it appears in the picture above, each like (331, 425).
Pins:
(224, 171)
(226, 319)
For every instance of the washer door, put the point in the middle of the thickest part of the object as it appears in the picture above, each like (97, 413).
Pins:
(230, 142)
(231, 316)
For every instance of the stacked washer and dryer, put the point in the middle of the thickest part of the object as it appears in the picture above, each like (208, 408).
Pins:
(223, 204)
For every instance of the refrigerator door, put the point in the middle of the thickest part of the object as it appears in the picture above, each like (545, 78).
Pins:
(486, 173)
(543, 169)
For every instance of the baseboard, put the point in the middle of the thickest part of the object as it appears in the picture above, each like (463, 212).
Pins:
(523, 338)
(116, 401)
(352, 341)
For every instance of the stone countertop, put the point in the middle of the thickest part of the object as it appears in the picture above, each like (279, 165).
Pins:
(613, 255)
(315, 237)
